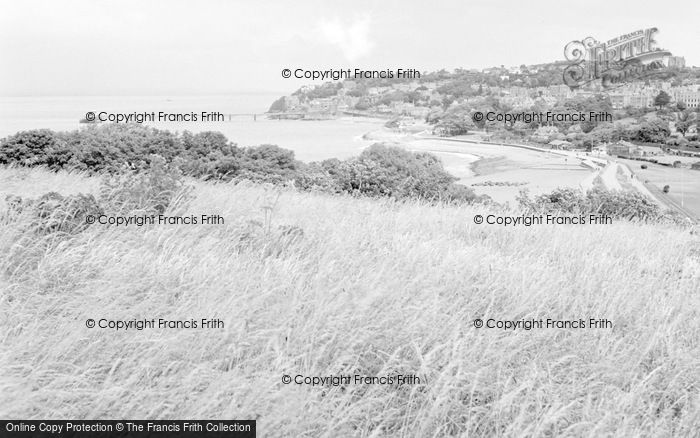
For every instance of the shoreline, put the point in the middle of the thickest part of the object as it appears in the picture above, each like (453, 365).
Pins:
(499, 170)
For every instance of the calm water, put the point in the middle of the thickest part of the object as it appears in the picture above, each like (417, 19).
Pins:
(311, 140)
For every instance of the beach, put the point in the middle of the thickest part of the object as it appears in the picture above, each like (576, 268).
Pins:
(498, 171)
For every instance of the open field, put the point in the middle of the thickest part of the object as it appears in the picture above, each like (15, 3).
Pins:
(373, 288)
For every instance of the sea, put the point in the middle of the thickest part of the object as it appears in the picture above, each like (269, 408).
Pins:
(310, 140)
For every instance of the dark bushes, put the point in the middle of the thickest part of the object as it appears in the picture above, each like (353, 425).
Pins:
(113, 148)
(40, 147)
(386, 171)
(266, 163)
(616, 204)
(126, 150)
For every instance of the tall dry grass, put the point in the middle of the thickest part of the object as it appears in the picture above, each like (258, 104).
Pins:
(372, 288)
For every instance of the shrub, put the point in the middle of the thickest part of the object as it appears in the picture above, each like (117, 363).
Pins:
(383, 170)
(397, 172)
(267, 163)
(41, 147)
(654, 131)
(569, 201)
(148, 192)
(314, 177)
(208, 155)
(54, 213)
(114, 148)
(629, 205)
(111, 147)
(616, 204)
(129, 150)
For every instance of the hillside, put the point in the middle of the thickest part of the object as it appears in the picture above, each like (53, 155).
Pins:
(659, 111)
(315, 285)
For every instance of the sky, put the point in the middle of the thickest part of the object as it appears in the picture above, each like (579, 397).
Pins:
(161, 47)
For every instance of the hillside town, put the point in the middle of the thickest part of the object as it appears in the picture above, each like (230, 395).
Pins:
(652, 117)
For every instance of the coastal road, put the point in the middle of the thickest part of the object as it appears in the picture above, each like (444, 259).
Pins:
(671, 203)
(607, 169)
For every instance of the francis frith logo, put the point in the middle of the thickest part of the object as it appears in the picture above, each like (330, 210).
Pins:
(614, 62)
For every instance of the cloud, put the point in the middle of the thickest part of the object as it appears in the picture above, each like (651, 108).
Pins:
(351, 38)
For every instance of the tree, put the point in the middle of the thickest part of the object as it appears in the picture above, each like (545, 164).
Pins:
(383, 170)
(360, 90)
(654, 131)
(662, 99)
(686, 119)
(268, 163)
(39, 147)
(603, 133)
(362, 106)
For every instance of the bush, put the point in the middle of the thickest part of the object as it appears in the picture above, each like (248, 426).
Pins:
(267, 163)
(113, 147)
(41, 147)
(654, 131)
(383, 170)
(143, 163)
(628, 205)
(208, 155)
(616, 204)
(399, 173)
(146, 192)
(315, 177)
(54, 213)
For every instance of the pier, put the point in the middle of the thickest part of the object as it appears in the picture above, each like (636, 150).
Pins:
(230, 116)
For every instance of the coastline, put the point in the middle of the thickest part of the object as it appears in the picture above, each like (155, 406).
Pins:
(501, 171)
(497, 170)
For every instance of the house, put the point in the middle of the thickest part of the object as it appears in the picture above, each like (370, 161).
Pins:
(560, 144)
(622, 147)
(599, 149)
(544, 133)
(648, 151)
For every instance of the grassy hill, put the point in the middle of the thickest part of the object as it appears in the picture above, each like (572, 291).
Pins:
(317, 285)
